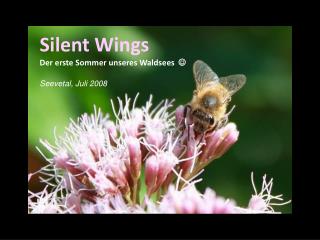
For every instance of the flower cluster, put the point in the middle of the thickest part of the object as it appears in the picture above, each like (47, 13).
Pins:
(146, 161)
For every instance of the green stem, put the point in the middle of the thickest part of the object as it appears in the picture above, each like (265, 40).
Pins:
(138, 190)
(158, 194)
(134, 192)
(127, 197)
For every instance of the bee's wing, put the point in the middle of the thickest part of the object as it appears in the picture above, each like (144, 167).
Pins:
(203, 74)
(233, 82)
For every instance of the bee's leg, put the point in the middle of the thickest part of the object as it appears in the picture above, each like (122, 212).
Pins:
(201, 139)
(185, 111)
(204, 134)
(223, 121)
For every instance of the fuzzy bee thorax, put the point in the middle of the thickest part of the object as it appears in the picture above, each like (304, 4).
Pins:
(219, 93)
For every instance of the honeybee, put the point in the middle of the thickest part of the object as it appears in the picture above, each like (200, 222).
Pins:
(208, 107)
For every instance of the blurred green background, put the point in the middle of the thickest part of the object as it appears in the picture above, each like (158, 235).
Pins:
(264, 105)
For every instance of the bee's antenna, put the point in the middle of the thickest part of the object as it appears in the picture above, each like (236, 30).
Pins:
(231, 110)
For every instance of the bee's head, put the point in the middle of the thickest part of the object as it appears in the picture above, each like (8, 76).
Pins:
(209, 101)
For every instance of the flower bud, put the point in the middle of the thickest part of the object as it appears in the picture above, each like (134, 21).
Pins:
(188, 207)
(189, 200)
(178, 149)
(231, 136)
(118, 176)
(191, 149)
(111, 129)
(257, 203)
(151, 172)
(168, 180)
(167, 161)
(73, 202)
(221, 206)
(218, 142)
(212, 141)
(137, 115)
(154, 137)
(88, 208)
(95, 141)
(61, 160)
(179, 116)
(134, 156)
(132, 125)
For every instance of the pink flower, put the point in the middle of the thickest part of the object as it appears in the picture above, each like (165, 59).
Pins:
(130, 119)
(46, 202)
(158, 167)
(189, 200)
(97, 166)
(218, 142)
(261, 202)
